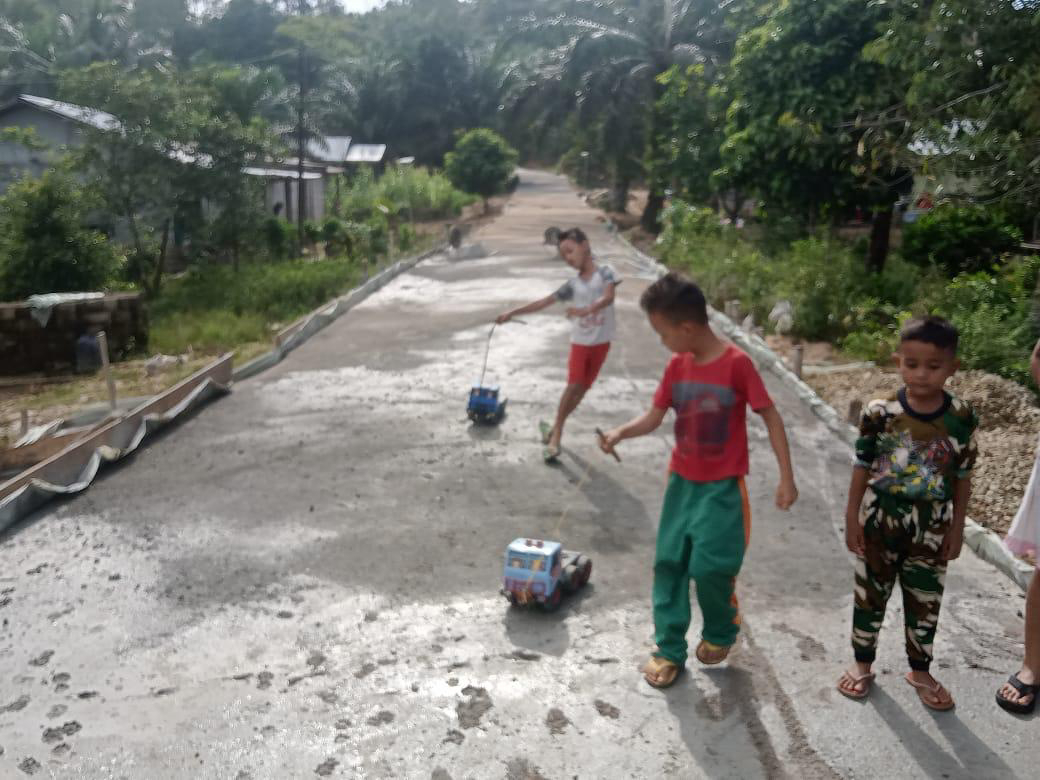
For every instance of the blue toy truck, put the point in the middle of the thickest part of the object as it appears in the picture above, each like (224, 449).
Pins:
(538, 572)
(484, 406)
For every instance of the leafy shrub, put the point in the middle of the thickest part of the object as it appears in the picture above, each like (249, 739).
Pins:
(44, 247)
(418, 192)
(278, 236)
(835, 300)
(481, 163)
(215, 307)
(960, 238)
(406, 237)
(337, 239)
(312, 231)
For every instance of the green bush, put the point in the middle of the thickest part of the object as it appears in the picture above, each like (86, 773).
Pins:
(312, 231)
(418, 193)
(337, 240)
(960, 238)
(44, 247)
(278, 237)
(215, 307)
(834, 299)
(406, 237)
(481, 163)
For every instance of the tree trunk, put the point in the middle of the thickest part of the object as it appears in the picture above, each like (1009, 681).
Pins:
(732, 211)
(657, 161)
(651, 219)
(160, 263)
(619, 195)
(880, 228)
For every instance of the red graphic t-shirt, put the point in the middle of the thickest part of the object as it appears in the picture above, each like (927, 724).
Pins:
(710, 402)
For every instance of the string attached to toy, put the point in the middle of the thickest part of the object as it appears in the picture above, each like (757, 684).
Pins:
(487, 352)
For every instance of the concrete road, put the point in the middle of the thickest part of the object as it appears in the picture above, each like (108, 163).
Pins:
(302, 580)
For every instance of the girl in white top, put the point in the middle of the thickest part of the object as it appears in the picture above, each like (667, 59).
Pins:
(1020, 692)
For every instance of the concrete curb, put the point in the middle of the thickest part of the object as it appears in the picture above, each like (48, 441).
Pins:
(73, 469)
(986, 544)
(319, 319)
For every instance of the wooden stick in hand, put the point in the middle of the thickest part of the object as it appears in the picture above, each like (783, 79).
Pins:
(603, 437)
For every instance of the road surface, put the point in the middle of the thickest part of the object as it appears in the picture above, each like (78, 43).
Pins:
(301, 581)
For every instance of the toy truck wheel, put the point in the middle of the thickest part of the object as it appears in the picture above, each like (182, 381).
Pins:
(584, 573)
(552, 603)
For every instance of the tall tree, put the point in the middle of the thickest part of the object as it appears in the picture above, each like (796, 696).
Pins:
(973, 102)
(613, 57)
(171, 146)
(799, 88)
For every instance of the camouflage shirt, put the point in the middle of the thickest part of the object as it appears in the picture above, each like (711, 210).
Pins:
(916, 457)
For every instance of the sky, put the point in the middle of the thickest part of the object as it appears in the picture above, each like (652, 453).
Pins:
(360, 6)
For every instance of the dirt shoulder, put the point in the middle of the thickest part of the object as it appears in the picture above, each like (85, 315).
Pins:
(1008, 431)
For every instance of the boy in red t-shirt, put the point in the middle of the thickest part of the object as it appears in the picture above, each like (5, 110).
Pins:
(705, 521)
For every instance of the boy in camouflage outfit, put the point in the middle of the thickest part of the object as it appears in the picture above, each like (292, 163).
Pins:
(907, 504)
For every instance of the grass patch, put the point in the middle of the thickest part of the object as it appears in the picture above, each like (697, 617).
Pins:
(417, 191)
(215, 309)
(836, 300)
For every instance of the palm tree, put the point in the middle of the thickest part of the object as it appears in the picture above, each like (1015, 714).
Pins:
(608, 67)
(71, 34)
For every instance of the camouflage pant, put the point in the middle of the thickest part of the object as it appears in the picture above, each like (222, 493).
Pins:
(902, 541)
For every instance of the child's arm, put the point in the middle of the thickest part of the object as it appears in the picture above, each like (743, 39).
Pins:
(640, 426)
(603, 302)
(786, 493)
(954, 539)
(541, 303)
(853, 529)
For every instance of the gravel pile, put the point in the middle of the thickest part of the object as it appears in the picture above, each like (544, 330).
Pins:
(1008, 433)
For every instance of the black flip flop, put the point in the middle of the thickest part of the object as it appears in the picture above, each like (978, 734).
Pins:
(1023, 690)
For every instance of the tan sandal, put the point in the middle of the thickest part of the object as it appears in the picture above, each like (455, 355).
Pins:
(934, 697)
(710, 654)
(848, 680)
(664, 672)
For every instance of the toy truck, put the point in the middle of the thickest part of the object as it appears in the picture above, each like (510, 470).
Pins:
(484, 407)
(537, 572)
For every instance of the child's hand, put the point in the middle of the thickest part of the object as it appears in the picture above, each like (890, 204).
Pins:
(609, 440)
(950, 550)
(502, 319)
(574, 311)
(786, 494)
(854, 534)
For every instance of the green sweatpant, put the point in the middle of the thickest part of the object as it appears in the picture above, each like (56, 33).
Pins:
(702, 536)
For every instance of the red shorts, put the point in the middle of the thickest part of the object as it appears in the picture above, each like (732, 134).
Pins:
(585, 363)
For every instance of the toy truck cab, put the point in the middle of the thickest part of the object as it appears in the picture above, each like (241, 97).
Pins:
(538, 571)
(484, 406)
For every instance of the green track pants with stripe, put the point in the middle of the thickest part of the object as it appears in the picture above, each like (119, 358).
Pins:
(702, 537)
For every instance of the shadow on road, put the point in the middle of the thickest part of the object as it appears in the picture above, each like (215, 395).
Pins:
(970, 756)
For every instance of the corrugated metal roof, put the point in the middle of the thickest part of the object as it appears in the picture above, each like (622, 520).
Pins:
(100, 120)
(279, 173)
(366, 153)
(334, 150)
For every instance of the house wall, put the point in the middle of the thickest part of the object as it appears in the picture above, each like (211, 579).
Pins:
(315, 193)
(55, 132)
